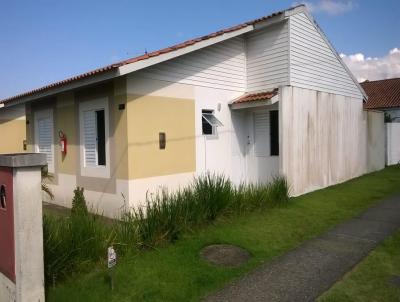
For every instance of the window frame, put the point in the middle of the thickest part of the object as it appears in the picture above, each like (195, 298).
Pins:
(100, 171)
(41, 114)
(214, 125)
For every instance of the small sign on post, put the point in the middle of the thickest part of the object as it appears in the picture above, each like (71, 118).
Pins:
(111, 262)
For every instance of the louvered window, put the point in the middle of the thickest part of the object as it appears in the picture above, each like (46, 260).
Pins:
(261, 133)
(94, 138)
(94, 146)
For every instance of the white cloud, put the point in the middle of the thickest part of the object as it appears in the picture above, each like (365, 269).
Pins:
(368, 68)
(331, 7)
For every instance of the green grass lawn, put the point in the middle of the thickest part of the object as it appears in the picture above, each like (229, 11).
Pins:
(176, 273)
(371, 280)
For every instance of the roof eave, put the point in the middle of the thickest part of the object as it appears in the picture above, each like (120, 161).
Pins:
(253, 104)
(126, 67)
(87, 81)
(135, 66)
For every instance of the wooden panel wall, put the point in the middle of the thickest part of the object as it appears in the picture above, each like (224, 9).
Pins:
(323, 138)
(268, 57)
(221, 65)
(313, 64)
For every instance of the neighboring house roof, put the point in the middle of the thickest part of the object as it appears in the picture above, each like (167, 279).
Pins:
(253, 97)
(382, 93)
(143, 57)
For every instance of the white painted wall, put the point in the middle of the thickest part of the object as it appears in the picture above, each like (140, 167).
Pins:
(313, 64)
(225, 153)
(392, 143)
(267, 53)
(107, 204)
(323, 140)
(213, 153)
(221, 65)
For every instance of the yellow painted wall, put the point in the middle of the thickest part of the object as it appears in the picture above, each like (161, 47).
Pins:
(147, 117)
(66, 121)
(13, 133)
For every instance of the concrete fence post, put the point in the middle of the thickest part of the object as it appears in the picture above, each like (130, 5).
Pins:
(21, 230)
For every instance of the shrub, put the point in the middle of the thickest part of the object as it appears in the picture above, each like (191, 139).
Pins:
(79, 203)
(45, 178)
(76, 242)
(73, 244)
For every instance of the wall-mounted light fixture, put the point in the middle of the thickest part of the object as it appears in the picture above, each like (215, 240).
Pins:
(162, 138)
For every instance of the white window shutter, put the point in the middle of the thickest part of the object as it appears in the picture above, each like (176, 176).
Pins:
(90, 138)
(45, 138)
(261, 134)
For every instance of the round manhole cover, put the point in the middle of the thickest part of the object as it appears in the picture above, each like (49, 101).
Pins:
(225, 255)
(395, 280)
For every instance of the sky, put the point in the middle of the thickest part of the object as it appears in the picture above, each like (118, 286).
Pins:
(43, 41)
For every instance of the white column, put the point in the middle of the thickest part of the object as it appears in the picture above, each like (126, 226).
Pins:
(28, 229)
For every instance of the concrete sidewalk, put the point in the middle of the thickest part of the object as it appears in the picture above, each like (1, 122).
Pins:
(306, 272)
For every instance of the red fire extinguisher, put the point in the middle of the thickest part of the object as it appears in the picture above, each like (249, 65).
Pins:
(63, 142)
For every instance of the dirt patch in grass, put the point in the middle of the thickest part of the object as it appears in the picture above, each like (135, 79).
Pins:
(225, 255)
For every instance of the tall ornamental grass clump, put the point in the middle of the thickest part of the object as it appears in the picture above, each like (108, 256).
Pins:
(79, 241)
(165, 216)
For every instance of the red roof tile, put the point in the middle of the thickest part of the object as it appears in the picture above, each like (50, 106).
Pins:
(382, 93)
(142, 57)
(253, 97)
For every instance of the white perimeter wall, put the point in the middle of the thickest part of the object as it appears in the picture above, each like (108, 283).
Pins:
(392, 143)
(375, 140)
(323, 139)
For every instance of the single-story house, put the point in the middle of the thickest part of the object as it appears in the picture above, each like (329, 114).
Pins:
(384, 95)
(266, 97)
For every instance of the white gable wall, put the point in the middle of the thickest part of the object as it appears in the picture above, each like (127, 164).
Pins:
(267, 52)
(313, 64)
(220, 66)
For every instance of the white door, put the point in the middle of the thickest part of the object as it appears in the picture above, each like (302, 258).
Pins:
(44, 138)
(261, 165)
